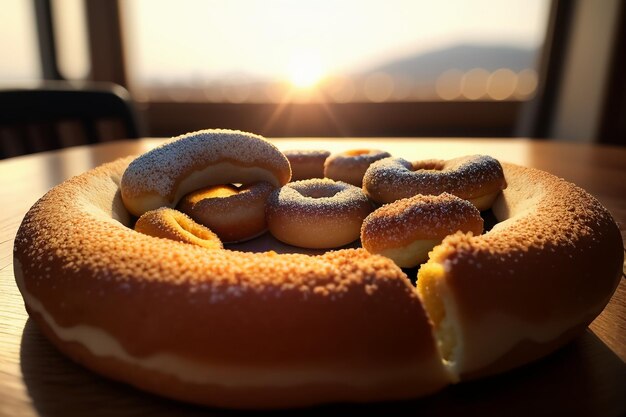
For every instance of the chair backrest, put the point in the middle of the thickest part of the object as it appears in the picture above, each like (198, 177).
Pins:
(54, 115)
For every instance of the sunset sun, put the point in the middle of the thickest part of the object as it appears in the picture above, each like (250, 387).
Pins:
(305, 70)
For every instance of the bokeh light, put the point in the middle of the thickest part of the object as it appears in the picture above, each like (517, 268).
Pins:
(474, 84)
(501, 84)
(378, 87)
(448, 84)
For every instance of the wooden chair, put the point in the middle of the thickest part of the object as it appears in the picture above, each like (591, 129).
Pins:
(56, 114)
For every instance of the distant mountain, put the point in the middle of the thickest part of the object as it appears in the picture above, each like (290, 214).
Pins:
(463, 57)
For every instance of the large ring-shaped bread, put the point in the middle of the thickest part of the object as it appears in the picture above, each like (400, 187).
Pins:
(250, 330)
(218, 327)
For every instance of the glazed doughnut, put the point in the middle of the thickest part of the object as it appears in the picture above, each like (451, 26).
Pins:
(317, 213)
(234, 213)
(261, 330)
(406, 230)
(477, 178)
(171, 224)
(162, 176)
(350, 166)
(306, 164)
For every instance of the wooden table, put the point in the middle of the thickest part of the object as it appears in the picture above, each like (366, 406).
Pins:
(588, 377)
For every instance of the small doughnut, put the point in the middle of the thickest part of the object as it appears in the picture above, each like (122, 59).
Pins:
(234, 213)
(317, 213)
(406, 230)
(306, 164)
(477, 178)
(350, 166)
(162, 176)
(171, 224)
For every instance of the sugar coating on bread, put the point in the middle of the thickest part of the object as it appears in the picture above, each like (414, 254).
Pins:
(241, 330)
(317, 213)
(419, 217)
(319, 196)
(160, 177)
(467, 177)
(220, 312)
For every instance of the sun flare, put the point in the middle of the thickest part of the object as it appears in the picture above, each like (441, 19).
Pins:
(305, 70)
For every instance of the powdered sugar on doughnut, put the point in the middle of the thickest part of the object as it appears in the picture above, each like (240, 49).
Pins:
(466, 177)
(418, 217)
(157, 170)
(317, 213)
(319, 196)
(163, 175)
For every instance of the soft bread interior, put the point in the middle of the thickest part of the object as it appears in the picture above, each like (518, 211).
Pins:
(432, 289)
(413, 254)
(432, 284)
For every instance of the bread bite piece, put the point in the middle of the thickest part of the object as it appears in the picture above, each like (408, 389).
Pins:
(437, 302)
(529, 285)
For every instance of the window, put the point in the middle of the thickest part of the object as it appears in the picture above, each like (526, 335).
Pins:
(246, 51)
(18, 42)
(302, 68)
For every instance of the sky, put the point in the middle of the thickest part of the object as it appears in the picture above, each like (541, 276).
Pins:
(271, 37)
(187, 39)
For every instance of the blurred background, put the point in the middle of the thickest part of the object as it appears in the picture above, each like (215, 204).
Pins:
(535, 68)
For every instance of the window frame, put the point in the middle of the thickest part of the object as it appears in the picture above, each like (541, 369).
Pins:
(480, 118)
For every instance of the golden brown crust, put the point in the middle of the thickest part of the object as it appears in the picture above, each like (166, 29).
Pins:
(245, 397)
(350, 166)
(469, 177)
(224, 307)
(421, 217)
(235, 214)
(406, 230)
(171, 224)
